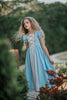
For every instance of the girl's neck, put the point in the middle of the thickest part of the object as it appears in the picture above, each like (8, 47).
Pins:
(31, 30)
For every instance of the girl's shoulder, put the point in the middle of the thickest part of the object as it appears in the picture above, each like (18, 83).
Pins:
(39, 33)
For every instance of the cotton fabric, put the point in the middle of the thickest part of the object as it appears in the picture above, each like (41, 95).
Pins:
(36, 62)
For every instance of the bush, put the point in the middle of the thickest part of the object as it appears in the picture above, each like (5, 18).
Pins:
(61, 68)
(57, 92)
(13, 83)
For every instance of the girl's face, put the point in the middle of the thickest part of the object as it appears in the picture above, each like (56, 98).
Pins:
(27, 24)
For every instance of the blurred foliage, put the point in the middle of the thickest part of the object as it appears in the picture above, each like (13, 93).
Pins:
(13, 83)
(12, 4)
(63, 71)
(61, 68)
(51, 17)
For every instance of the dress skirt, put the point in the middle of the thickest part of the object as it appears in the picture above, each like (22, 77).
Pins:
(35, 65)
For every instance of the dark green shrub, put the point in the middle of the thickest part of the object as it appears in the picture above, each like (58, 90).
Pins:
(13, 83)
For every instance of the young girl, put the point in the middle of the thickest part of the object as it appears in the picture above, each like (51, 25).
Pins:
(37, 56)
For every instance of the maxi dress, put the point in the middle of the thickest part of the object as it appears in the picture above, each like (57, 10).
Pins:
(36, 62)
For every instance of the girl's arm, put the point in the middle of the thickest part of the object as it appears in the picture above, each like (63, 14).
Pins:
(45, 49)
(26, 44)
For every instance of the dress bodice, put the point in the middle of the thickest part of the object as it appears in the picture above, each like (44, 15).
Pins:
(31, 39)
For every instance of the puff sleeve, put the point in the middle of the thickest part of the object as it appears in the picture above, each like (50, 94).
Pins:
(24, 37)
(40, 34)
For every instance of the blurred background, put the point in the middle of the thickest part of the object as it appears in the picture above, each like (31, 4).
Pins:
(52, 17)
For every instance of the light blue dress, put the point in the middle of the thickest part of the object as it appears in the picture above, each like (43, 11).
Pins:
(36, 62)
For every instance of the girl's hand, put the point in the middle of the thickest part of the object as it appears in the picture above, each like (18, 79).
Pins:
(52, 62)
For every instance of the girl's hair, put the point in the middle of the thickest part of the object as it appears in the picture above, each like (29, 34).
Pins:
(35, 26)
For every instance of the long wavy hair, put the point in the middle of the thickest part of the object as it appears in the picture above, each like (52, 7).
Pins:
(34, 24)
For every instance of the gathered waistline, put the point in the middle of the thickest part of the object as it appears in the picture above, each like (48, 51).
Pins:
(34, 45)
